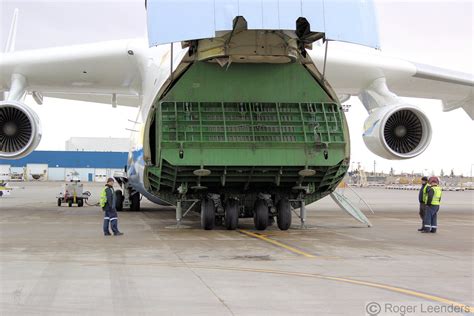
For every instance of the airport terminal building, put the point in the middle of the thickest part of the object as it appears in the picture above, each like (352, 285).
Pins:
(88, 159)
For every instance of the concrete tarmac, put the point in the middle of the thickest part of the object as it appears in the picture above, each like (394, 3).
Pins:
(55, 260)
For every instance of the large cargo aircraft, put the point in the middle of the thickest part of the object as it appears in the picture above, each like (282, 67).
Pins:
(240, 110)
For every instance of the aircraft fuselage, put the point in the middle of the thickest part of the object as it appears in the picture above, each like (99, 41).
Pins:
(239, 131)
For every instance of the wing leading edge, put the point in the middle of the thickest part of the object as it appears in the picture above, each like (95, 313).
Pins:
(351, 72)
(112, 72)
(106, 72)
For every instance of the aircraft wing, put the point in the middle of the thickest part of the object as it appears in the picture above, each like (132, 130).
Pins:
(106, 72)
(351, 72)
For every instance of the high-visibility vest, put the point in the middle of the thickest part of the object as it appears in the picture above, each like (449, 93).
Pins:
(437, 195)
(425, 193)
(103, 197)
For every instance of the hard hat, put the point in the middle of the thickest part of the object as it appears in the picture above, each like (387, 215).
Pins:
(433, 179)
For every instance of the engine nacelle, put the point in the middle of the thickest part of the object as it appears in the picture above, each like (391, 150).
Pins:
(397, 132)
(20, 130)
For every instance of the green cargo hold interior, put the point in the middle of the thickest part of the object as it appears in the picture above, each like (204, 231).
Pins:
(254, 126)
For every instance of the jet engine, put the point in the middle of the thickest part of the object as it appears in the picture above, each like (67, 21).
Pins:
(20, 130)
(397, 132)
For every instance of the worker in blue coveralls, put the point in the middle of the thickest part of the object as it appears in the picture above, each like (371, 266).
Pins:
(432, 205)
(422, 198)
(107, 202)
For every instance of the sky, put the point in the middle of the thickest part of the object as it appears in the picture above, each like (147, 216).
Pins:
(438, 33)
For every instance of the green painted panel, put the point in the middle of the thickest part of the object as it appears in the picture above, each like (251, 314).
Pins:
(265, 156)
(255, 126)
(247, 83)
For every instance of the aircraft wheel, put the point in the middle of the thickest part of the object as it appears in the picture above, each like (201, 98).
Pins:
(119, 200)
(135, 202)
(80, 203)
(59, 202)
(260, 214)
(208, 214)
(284, 214)
(232, 214)
(69, 203)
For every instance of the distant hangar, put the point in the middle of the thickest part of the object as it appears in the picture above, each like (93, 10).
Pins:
(88, 159)
(63, 165)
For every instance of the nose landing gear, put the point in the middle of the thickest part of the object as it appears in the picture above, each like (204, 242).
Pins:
(284, 214)
(208, 214)
(215, 212)
(260, 214)
(231, 216)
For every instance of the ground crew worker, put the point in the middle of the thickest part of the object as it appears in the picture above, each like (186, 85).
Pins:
(422, 197)
(107, 202)
(433, 202)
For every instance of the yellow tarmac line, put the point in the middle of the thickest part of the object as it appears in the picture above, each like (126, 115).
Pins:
(464, 307)
(277, 243)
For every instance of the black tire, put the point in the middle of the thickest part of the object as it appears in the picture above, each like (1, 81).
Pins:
(135, 202)
(260, 214)
(284, 214)
(80, 203)
(231, 214)
(59, 202)
(119, 200)
(208, 214)
(69, 203)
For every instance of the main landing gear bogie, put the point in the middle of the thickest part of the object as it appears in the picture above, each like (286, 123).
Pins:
(133, 201)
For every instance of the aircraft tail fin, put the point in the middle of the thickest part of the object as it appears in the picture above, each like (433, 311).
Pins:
(10, 47)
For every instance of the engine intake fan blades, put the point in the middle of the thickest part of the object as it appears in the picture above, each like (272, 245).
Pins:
(403, 131)
(16, 129)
